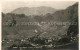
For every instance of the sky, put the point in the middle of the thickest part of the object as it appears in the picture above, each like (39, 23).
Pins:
(9, 6)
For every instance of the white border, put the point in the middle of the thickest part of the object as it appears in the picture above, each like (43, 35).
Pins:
(35, 0)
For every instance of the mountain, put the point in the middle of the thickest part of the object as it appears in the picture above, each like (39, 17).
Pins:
(42, 10)
(70, 15)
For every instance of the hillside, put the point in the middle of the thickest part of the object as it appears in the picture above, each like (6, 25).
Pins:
(12, 31)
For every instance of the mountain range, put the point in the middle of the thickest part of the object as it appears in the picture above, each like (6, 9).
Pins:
(41, 14)
(42, 10)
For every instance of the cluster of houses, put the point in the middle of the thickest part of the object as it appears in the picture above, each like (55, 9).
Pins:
(33, 41)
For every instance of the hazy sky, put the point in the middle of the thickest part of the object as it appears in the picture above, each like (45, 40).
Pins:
(11, 5)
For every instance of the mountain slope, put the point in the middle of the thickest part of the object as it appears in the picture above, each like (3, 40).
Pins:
(69, 15)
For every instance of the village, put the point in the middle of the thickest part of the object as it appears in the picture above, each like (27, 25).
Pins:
(36, 42)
